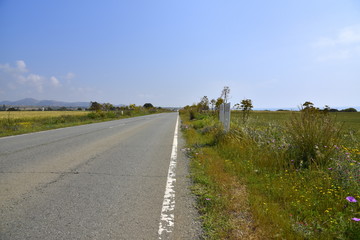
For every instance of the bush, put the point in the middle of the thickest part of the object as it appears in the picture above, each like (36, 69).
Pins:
(312, 136)
(349, 110)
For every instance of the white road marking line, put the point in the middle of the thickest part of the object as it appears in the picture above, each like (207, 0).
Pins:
(167, 213)
(119, 125)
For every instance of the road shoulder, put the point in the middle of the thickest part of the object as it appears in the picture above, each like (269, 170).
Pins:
(187, 218)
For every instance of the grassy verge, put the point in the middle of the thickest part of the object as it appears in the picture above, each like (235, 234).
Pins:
(279, 176)
(14, 123)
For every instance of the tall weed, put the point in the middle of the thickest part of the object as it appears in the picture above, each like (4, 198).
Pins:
(312, 136)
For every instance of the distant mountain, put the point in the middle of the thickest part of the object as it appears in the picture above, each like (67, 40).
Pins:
(44, 103)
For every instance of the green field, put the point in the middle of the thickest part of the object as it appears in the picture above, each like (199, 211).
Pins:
(279, 175)
(38, 114)
(20, 122)
(351, 120)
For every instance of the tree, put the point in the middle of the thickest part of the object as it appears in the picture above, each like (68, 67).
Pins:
(132, 106)
(204, 104)
(245, 106)
(148, 105)
(219, 101)
(95, 106)
(108, 107)
(308, 105)
(349, 110)
(225, 94)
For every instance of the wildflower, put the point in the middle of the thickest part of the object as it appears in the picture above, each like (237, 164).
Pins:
(356, 219)
(351, 199)
(330, 168)
(207, 199)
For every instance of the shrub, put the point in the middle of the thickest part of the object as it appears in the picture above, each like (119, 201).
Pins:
(312, 135)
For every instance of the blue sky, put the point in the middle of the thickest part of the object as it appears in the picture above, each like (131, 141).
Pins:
(171, 53)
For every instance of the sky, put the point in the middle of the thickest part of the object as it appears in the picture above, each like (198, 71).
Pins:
(277, 53)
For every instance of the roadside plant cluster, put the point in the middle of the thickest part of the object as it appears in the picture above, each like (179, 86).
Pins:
(302, 175)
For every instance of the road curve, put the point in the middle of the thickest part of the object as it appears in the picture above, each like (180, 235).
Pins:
(97, 181)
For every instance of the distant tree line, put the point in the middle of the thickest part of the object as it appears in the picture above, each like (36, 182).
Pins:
(95, 106)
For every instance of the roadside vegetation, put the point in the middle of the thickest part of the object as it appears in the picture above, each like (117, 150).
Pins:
(275, 175)
(19, 122)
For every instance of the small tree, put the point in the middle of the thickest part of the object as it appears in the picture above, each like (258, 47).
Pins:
(95, 106)
(219, 101)
(203, 105)
(132, 106)
(308, 105)
(108, 107)
(225, 94)
(148, 105)
(245, 106)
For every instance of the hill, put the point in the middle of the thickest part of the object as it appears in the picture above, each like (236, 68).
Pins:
(43, 103)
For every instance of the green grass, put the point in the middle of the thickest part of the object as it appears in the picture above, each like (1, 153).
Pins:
(285, 199)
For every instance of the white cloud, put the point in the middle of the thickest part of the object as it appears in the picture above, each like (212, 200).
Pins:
(335, 55)
(55, 82)
(349, 35)
(21, 66)
(69, 76)
(346, 36)
(342, 46)
(5, 67)
(37, 81)
(19, 77)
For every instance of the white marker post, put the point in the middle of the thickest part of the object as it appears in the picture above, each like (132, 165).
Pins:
(224, 115)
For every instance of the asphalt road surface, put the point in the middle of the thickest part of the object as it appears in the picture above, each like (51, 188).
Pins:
(97, 181)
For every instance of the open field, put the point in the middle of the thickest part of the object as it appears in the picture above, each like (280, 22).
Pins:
(351, 120)
(19, 122)
(279, 175)
(38, 114)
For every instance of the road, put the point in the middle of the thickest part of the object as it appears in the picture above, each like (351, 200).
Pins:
(97, 181)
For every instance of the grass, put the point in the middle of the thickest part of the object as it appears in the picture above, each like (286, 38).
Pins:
(20, 122)
(38, 114)
(280, 197)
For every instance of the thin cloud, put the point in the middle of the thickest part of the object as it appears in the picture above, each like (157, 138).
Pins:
(37, 81)
(69, 76)
(343, 46)
(346, 36)
(21, 66)
(335, 55)
(55, 82)
(18, 77)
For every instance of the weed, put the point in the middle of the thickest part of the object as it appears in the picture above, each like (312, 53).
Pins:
(312, 135)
